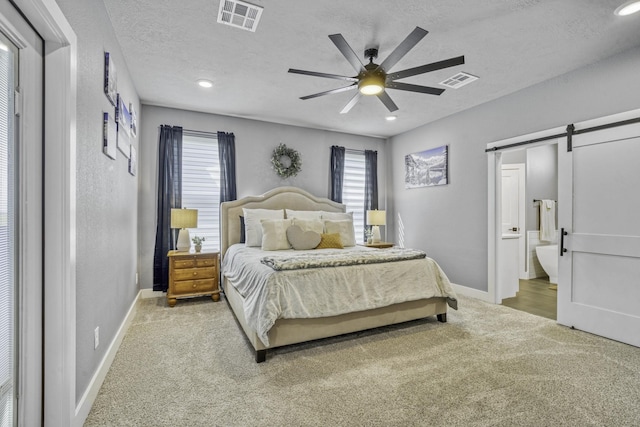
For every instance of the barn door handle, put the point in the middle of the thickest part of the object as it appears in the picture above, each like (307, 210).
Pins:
(562, 234)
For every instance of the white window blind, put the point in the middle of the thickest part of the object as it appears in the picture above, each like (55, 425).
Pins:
(7, 244)
(353, 190)
(201, 185)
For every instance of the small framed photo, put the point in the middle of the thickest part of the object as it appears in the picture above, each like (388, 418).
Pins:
(110, 79)
(133, 161)
(134, 120)
(427, 168)
(109, 136)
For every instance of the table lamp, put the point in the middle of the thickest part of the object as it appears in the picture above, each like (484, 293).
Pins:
(375, 219)
(184, 219)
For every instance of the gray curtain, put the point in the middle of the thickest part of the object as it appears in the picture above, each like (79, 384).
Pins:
(370, 181)
(227, 153)
(169, 197)
(337, 173)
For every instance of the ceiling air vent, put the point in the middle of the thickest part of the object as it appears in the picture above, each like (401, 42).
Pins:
(458, 80)
(239, 14)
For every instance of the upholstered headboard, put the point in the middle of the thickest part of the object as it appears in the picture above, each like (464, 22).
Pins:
(278, 198)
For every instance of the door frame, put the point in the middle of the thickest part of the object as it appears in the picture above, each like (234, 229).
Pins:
(57, 304)
(494, 205)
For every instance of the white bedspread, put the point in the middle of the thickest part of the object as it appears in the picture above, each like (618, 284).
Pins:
(322, 292)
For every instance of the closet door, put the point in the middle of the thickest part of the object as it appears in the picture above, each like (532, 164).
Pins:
(599, 200)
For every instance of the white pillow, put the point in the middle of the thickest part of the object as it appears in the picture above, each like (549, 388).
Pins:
(274, 234)
(252, 226)
(316, 226)
(345, 228)
(337, 215)
(303, 214)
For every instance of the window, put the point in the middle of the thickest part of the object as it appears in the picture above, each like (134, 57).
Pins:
(353, 190)
(201, 185)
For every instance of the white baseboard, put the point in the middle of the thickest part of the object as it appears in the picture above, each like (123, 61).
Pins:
(473, 293)
(86, 402)
(150, 293)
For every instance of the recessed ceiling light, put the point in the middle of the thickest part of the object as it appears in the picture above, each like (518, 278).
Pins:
(628, 8)
(205, 83)
(391, 118)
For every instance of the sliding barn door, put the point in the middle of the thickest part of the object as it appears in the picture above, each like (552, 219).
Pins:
(599, 209)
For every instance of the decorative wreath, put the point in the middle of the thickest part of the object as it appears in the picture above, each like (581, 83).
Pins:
(286, 161)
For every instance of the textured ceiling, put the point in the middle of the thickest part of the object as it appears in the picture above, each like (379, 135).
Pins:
(509, 44)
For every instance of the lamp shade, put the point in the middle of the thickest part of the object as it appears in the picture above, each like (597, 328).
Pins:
(376, 217)
(184, 218)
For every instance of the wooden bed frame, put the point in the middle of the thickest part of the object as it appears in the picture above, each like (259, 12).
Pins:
(293, 331)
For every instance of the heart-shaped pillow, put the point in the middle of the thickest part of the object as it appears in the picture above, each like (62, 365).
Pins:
(301, 240)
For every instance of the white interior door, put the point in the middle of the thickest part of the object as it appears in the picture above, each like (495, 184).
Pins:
(510, 199)
(599, 197)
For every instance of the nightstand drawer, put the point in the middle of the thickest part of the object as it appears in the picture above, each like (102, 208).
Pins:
(194, 273)
(188, 286)
(191, 262)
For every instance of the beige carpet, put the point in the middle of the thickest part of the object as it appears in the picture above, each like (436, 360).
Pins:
(488, 366)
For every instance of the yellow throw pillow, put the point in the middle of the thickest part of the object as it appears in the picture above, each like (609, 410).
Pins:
(330, 241)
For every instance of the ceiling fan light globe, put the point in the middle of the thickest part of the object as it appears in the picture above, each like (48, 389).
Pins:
(371, 85)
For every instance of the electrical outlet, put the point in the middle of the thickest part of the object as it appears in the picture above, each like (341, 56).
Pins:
(96, 337)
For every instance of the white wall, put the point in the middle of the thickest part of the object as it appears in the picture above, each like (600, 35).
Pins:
(255, 141)
(106, 195)
(450, 222)
(542, 181)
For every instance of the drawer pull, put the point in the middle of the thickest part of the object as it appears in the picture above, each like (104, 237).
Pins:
(194, 286)
(195, 273)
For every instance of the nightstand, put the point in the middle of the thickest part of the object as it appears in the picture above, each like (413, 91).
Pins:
(379, 245)
(192, 274)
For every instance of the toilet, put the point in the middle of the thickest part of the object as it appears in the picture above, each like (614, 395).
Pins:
(548, 257)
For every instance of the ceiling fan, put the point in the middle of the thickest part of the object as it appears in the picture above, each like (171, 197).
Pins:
(373, 79)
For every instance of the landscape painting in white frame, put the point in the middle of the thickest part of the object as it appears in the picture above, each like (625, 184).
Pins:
(427, 168)
(109, 136)
(110, 79)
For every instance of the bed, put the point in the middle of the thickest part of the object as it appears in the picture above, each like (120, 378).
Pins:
(284, 325)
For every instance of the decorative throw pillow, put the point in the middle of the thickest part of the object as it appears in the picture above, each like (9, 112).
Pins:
(274, 234)
(253, 228)
(242, 236)
(328, 241)
(303, 214)
(344, 228)
(310, 225)
(302, 240)
(337, 215)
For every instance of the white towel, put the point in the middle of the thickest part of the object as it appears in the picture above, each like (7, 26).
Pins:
(547, 220)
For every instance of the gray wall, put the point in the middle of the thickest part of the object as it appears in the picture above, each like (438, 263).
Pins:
(450, 222)
(542, 181)
(255, 141)
(106, 195)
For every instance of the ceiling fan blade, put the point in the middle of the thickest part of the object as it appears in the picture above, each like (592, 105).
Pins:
(346, 50)
(387, 101)
(451, 62)
(407, 44)
(415, 88)
(329, 76)
(353, 101)
(332, 91)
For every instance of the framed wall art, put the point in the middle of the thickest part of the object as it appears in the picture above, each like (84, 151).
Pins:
(427, 168)
(133, 161)
(110, 79)
(124, 126)
(134, 120)
(109, 136)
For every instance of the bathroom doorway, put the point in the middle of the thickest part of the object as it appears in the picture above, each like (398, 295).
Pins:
(521, 280)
